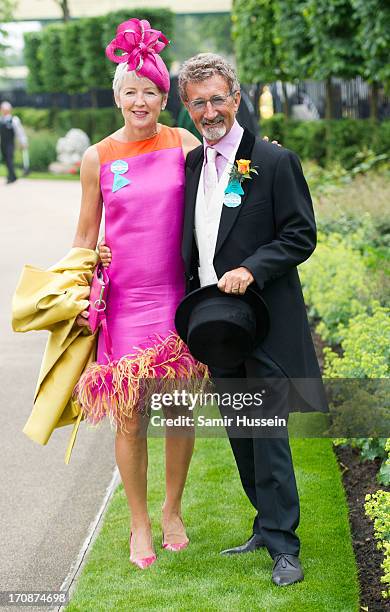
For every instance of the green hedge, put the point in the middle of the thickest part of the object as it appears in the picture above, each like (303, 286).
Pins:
(76, 51)
(328, 141)
(97, 123)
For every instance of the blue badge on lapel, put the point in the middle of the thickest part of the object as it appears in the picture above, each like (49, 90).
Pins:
(233, 193)
(119, 167)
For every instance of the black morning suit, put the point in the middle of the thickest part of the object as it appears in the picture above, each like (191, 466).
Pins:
(270, 233)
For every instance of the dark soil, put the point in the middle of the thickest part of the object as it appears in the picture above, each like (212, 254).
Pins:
(359, 478)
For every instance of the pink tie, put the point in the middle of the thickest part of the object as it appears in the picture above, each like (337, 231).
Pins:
(210, 174)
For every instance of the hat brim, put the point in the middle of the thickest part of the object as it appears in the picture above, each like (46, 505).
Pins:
(251, 297)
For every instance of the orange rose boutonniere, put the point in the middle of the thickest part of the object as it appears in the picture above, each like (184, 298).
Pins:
(242, 171)
(238, 173)
(243, 165)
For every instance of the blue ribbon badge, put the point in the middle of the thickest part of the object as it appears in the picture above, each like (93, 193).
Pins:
(233, 193)
(119, 167)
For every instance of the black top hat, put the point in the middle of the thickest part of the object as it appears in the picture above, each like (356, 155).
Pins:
(222, 329)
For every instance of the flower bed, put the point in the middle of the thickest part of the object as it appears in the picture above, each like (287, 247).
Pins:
(346, 287)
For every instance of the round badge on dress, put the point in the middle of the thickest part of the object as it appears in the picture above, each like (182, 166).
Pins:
(119, 166)
(232, 200)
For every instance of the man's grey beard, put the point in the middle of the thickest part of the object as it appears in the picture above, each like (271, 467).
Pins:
(213, 133)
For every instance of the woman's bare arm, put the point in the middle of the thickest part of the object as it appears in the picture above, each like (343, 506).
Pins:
(91, 201)
(90, 211)
(188, 141)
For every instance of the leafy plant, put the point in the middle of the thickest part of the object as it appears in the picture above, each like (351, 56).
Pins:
(336, 285)
(377, 508)
(42, 148)
(366, 347)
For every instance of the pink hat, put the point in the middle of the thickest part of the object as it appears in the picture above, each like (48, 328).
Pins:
(141, 47)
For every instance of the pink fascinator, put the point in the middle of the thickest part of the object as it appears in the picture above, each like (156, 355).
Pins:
(141, 47)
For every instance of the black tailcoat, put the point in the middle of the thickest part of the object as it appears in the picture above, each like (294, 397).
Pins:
(270, 233)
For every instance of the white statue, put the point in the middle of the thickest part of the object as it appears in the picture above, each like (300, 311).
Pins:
(70, 150)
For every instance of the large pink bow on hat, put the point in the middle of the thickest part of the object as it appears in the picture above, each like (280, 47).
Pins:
(141, 47)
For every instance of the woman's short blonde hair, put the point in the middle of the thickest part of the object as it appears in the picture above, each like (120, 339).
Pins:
(119, 75)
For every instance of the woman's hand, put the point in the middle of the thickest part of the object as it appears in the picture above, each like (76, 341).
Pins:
(273, 142)
(104, 254)
(82, 319)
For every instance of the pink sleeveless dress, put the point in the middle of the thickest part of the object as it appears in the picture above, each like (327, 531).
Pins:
(142, 185)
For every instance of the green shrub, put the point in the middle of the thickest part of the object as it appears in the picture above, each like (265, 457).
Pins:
(345, 138)
(358, 231)
(97, 123)
(36, 118)
(42, 149)
(308, 138)
(384, 472)
(366, 347)
(377, 508)
(329, 141)
(336, 285)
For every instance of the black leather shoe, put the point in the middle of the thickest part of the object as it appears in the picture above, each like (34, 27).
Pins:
(255, 542)
(287, 570)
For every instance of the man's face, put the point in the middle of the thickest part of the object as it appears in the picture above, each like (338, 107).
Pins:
(215, 119)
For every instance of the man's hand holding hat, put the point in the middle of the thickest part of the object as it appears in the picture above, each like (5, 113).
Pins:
(236, 281)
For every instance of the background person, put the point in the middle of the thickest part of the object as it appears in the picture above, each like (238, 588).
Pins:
(10, 128)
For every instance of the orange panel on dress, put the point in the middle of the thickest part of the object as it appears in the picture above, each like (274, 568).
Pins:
(110, 149)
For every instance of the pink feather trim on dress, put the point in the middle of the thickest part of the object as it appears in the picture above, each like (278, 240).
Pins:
(118, 388)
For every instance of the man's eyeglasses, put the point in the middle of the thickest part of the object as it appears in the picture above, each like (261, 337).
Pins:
(215, 101)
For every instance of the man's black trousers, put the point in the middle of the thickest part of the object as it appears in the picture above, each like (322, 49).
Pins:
(7, 154)
(264, 461)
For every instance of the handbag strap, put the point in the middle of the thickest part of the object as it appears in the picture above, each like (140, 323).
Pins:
(106, 334)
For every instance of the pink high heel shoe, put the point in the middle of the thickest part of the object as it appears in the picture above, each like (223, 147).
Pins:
(177, 546)
(143, 563)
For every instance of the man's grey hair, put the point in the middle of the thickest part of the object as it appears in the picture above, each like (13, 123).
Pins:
(203, 66)
(5, 105)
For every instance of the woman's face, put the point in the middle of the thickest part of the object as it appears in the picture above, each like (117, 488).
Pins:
(140, 101)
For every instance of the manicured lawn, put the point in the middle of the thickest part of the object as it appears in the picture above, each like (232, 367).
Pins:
(217, 515)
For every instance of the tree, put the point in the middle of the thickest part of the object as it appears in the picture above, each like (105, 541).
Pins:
(202, 33)
(332, 28)
(49, 53)
(94, 67)
(291, 40)
(374, 39)
(71, 41)
(253, 23)
(63, 4)
(6, 7)
(32, 58)
(271, 41)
